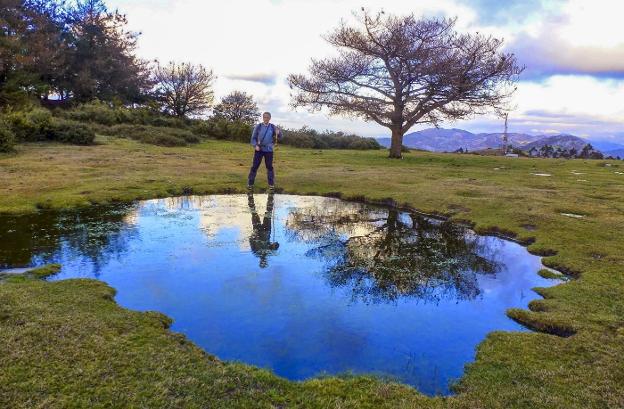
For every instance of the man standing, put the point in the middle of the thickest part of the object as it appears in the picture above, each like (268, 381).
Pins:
(263, 137)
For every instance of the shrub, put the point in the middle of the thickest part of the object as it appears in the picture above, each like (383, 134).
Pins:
(299, 141)
(164, 120)
(39, 125)
(153, 135)
(201, 128)
(94, 111)
(7, 138)
(223, 129)
(71, 132)
(31, 126)
(300, 138)
(97, 112)
(162, 139)
(239, 131)
(363, 144)
(99, 128)
(309, 138)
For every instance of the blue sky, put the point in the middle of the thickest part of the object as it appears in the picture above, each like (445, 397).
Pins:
(573, 51)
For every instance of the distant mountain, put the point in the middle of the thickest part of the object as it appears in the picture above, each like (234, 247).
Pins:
(562, 141)
(615, 153)
(606, 145)
(449, 140)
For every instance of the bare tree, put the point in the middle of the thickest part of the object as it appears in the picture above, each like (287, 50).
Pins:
(238, 107)
(183, 89)
(399, 71)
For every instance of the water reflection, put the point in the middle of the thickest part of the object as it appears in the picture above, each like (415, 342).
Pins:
(96, 234)
(384, 255)
(260, 240)
(300, 285)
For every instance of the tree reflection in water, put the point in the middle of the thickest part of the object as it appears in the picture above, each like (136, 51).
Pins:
(384, 255)
(97, 234)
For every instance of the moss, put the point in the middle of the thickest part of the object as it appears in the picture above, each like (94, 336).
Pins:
(44, 271)
(39, 273)
(550, 274)
(538, 322)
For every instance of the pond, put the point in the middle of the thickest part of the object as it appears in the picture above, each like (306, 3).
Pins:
(303, 286)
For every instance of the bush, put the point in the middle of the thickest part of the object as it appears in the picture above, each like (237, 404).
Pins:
(163, 120)
(223, 129)
(309, 138)
(72, 132)
(39, 125)
(299, 141)
(162, 139)
(201, 128)
(31, 126)
(99, 128)
(97, 112)
(7, 138)
(300, 138)
(363, 144)
(153, 135)
(239, 131)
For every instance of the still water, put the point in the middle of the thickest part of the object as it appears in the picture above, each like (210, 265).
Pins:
(303, 286)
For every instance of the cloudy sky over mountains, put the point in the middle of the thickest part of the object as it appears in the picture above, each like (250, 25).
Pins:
(573, 51)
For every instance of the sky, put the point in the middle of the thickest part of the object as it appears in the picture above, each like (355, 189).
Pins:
(573, 51)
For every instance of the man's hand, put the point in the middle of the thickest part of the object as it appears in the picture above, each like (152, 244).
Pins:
(257, 148)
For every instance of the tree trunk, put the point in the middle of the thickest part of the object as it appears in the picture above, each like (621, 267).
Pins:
(396, 143)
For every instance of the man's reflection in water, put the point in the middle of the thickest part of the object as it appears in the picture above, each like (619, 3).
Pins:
(260, 239)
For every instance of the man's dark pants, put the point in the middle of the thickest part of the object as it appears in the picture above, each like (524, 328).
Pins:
(268, 162)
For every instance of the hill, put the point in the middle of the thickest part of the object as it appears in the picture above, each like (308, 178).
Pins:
(562, 141)
(615, 153)
(449, 140)
(606, 145)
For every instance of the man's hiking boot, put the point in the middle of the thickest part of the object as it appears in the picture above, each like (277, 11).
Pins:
(271, 188)
(249, 188)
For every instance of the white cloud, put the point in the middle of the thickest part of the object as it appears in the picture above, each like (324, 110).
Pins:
(577, 39)
(574, 95)
(593, 23)
(248, 43)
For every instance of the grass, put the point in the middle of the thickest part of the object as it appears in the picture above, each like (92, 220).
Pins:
(67, 344)
(39, 273)
(550, 274)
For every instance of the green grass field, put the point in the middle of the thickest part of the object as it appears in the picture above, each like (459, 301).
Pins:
(67, 344)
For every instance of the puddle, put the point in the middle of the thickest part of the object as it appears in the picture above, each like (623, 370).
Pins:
(14, 270)
(299, 285)
(573, 215)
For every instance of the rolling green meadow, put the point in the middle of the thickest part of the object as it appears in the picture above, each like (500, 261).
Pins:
(68, 344)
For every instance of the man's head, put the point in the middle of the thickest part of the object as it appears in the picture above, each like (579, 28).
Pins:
(266, 117)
